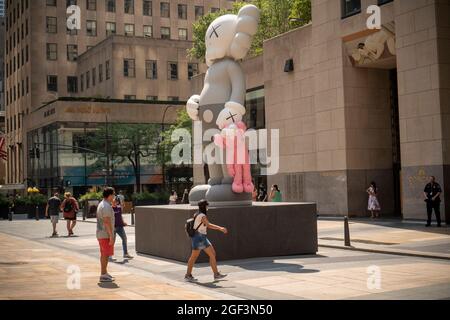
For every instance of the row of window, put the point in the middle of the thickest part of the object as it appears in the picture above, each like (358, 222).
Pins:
(18, 61)
(17, 91)
(16, 12)
(151, 69)
(16, 37)
(147, 7)
(129, 29)
(90, 75)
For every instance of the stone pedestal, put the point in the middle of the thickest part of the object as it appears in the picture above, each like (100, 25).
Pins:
(262, 230)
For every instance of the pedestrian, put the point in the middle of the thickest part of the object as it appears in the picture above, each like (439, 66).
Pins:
(262, 196)
(121, 199)
(173, 197)
(119, 226)
(52, 210)
(373, 205)
(432, 194)
(70, 208)
(105, 232)
(275, 194)
(185, 198)
(200, 242)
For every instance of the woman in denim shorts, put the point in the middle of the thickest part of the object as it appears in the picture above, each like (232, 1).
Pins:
(200, 242)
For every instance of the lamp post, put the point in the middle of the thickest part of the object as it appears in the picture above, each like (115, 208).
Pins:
(164, 152)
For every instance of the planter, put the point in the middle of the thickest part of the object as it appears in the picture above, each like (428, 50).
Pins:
(4, 212)
(150, 202)
(90, 208)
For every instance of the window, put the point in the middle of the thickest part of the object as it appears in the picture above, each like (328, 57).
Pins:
(151, 69)
(72, 52)
(71, 32)
(172, 70)
(100, 73)
(151, 98)
(165, 33)
(381, 2)
(91, 4)
(72, 84)
(88, 80)
(173, 98)
(107, 70)
(192, 70)
(148, 31)
(94, 75)
(110, 5)
(52, 83)
(199, 12)
(128, 68)
(182, 34)
(71, 3)
(129, 30)
(182, 11)
(51, 3)
(147, 8)
(52, 51)
(91, 28)
(129, 6)
(214, 10)
(165, 10)
(129, 97)
(350, 7)
(82, 82)
(51, 25)
(110, 28)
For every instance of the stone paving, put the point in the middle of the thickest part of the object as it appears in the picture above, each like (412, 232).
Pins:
(39, 270)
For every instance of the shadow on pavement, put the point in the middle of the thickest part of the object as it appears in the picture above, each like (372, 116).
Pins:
(274, 266)
(212, 285)
(108, 285)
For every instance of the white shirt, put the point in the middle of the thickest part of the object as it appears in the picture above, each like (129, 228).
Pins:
(198, 220)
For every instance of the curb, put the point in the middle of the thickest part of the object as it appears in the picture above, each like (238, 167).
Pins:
(393, 252)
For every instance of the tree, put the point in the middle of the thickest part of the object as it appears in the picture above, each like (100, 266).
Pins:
(125, 143)
(277, 17)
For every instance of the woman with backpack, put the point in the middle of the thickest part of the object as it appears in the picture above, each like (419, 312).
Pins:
(197, 230)
(70, 207)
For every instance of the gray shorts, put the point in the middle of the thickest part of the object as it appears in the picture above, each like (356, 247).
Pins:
(54, 219)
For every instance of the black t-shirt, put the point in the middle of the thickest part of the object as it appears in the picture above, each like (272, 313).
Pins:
(54, 205)
(431, 189)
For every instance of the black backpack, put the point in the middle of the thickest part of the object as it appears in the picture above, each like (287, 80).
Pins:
(190, 226)
(68, 206)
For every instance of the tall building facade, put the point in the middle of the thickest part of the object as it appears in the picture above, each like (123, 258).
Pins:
(44, 60)
(355, 105)
(2, 8)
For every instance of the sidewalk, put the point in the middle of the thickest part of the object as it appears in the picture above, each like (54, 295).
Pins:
(387, 236)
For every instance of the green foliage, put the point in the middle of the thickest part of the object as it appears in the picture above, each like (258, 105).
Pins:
(4, 201)
(182, 122)
(277, 17)
(152, 196)
(92, 196)
(31, 200)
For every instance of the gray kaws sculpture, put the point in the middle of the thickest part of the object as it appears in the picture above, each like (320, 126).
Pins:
(221, 102)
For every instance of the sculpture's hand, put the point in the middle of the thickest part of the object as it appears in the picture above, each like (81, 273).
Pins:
(192, 106)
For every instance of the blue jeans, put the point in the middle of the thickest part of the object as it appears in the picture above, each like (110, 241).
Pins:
(121, 232)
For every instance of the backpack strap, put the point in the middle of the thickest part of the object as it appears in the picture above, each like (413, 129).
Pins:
(195, 217)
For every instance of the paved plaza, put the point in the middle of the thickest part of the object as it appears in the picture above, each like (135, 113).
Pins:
(35, 266)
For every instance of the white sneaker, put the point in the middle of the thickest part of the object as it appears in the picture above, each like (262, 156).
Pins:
(219, 276)
(127, 256)
(110, 276)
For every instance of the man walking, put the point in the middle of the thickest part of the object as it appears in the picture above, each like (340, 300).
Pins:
(105, 232)
(52, 210)
(431, 193)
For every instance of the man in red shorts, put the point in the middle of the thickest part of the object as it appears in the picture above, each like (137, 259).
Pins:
(105, 232)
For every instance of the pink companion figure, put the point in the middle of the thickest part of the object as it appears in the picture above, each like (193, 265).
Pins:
(232, 139)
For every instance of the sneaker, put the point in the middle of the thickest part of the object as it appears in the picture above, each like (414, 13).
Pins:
(110, 276)
(54, 234)
(219, 276)
(127, 256)
(111, 259)
(189, 278)
(105, 278)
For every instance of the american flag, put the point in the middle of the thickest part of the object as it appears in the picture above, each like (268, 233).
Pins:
(3, 154)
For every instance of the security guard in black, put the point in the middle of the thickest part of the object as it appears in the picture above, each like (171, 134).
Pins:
(432, 192)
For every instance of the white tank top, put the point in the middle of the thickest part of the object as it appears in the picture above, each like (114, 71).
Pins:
(198, 220)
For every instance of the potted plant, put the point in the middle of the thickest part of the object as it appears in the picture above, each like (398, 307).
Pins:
(90, 202)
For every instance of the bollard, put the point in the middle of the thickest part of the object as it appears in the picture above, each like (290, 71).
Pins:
(346, 232)
(37, 213)
(132, 216)
(10, 214)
